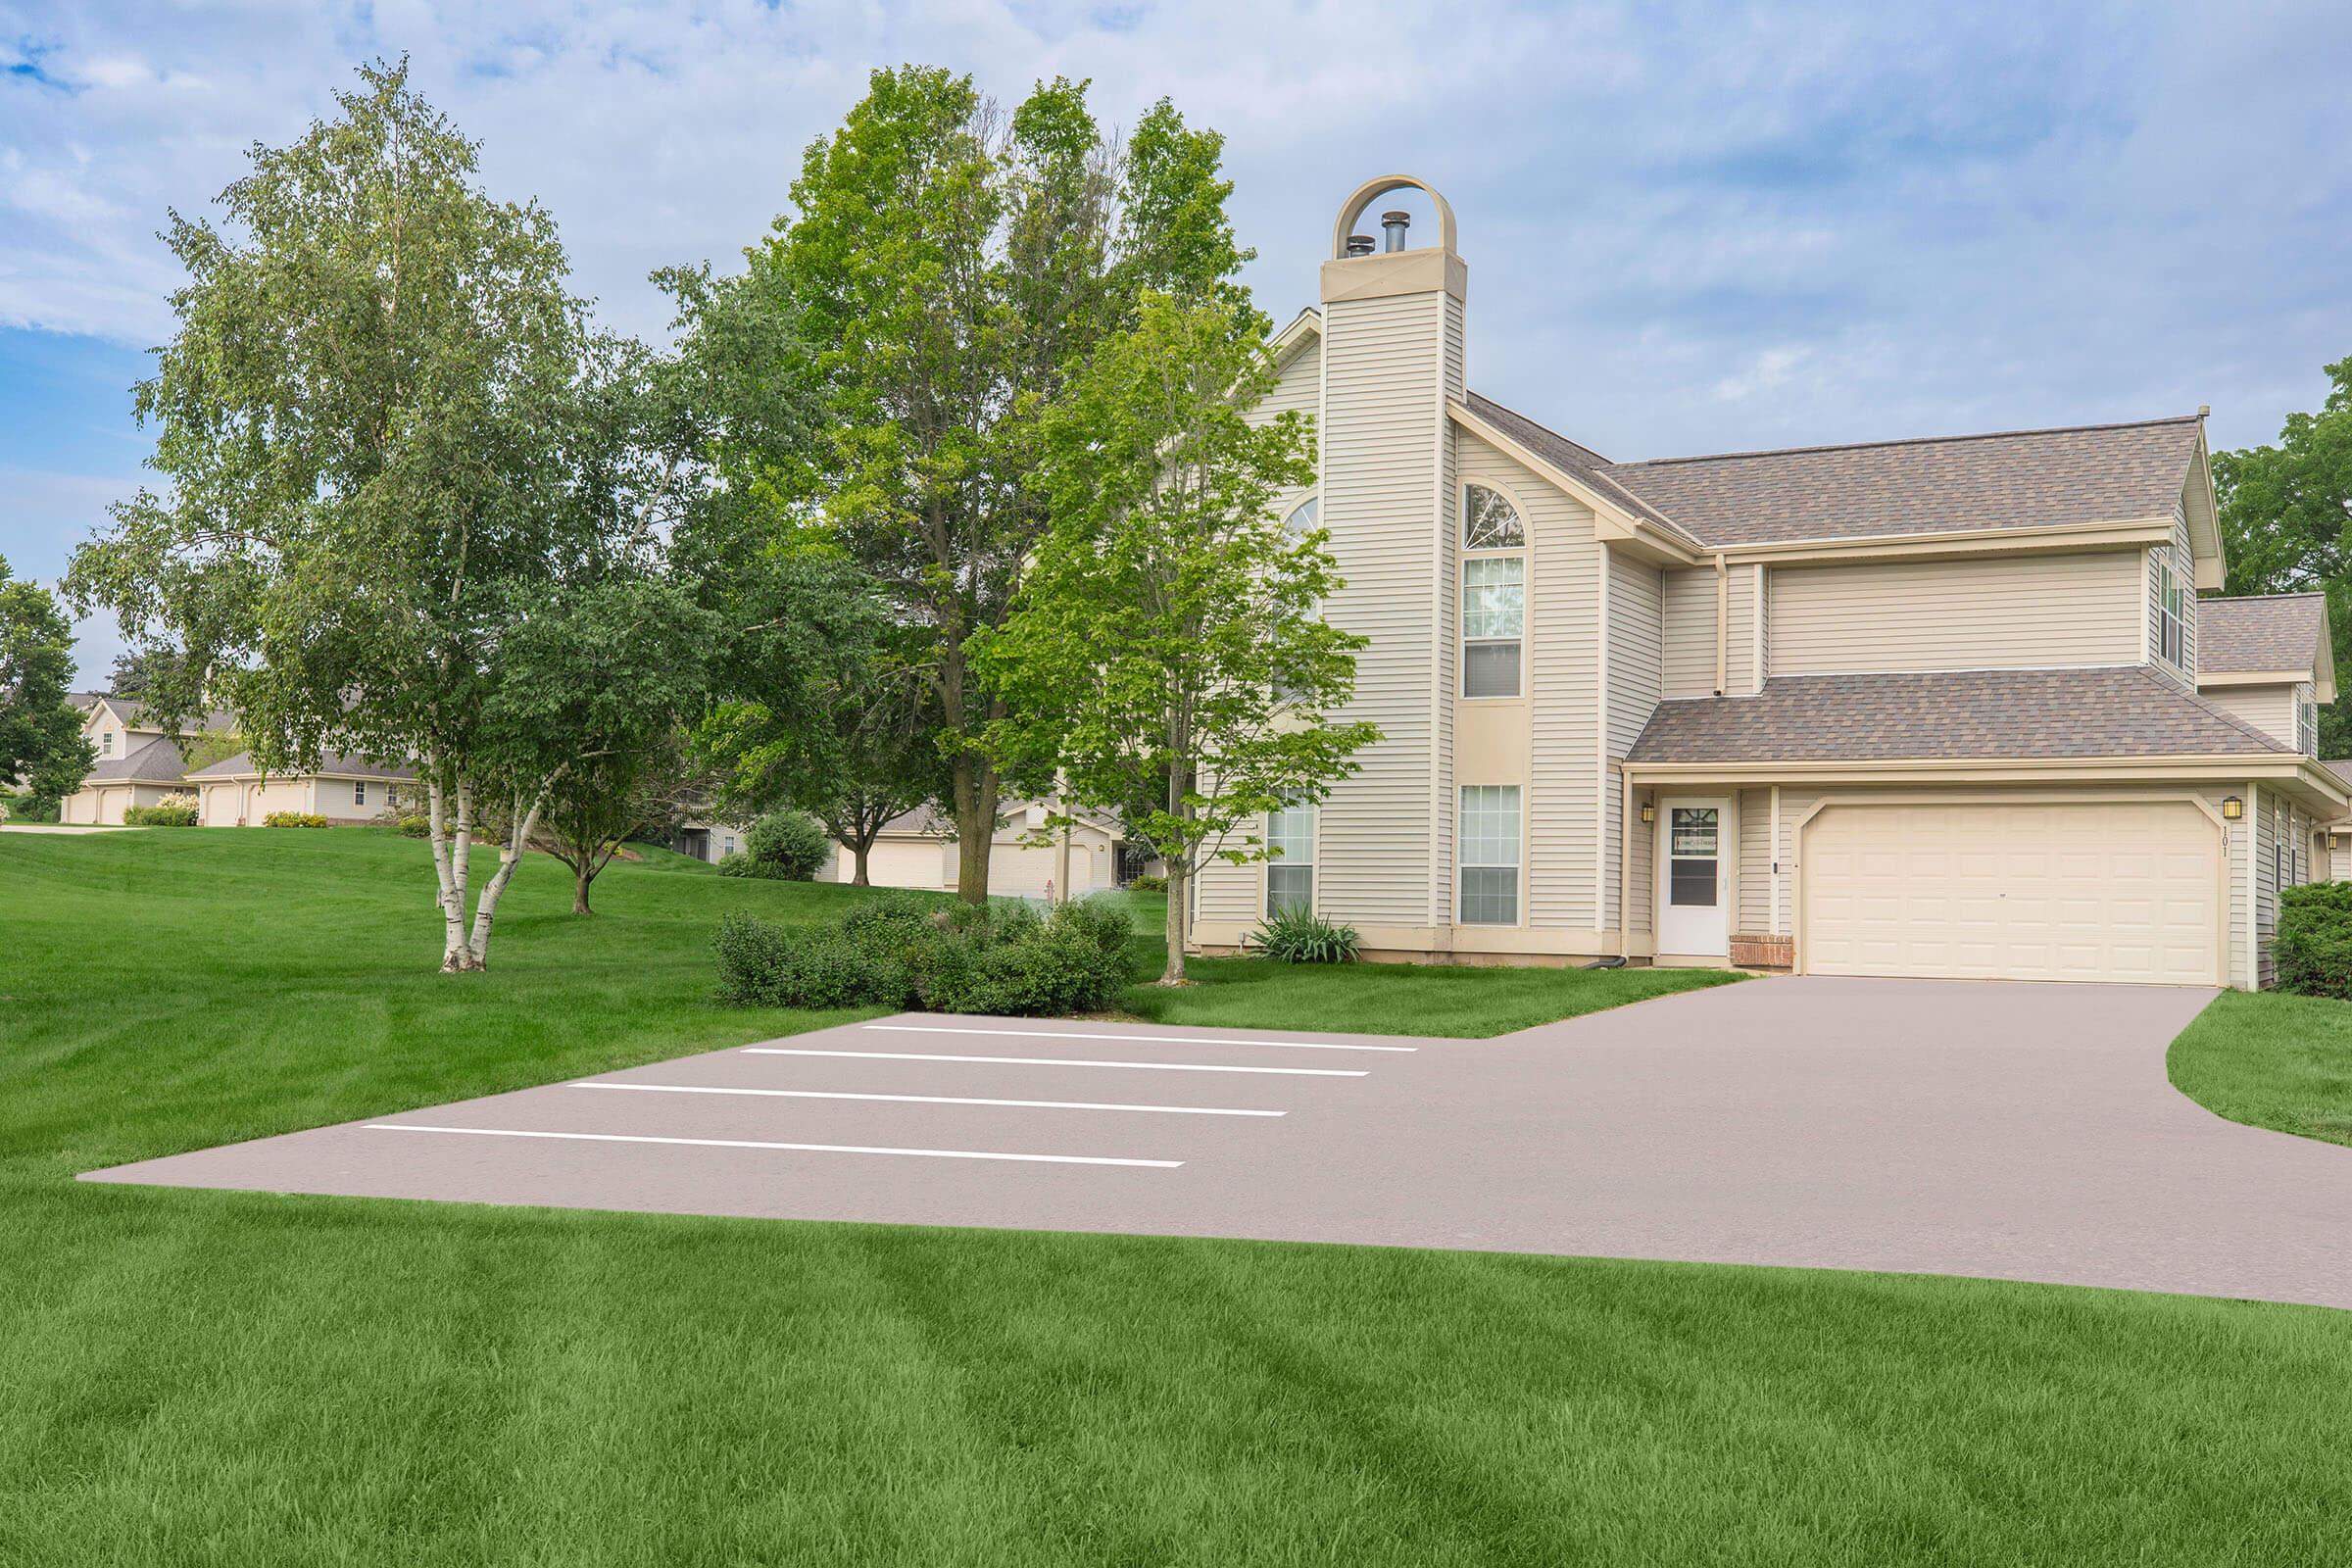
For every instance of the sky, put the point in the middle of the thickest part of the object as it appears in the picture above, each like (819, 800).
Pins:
(1689, 228)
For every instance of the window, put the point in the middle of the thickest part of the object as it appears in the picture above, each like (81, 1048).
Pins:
(1494, 594)
(106, 744)
(359, 792)
(1296, 526)
(1691, 856)
(1291, 875)
(2307, 728)
(2169, 613)
(1490, 840)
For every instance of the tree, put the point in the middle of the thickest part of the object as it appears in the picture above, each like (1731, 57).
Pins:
(41, 733)
(1167, 644)
(394, 446)
(946, 267)
(2286, 525)
(134, 672)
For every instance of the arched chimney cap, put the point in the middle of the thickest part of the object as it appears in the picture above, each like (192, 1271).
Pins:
(1372, 191)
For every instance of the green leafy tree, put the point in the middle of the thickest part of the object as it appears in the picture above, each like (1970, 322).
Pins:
(393, 446)
(2286, 525)
(1167, 645)
(946, 266)
(41, 733)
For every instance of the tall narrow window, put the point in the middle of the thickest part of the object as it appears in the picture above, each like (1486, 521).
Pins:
(359, 792)
(1489, 863)
(1304, 519)
(1291, 874)
(2169, 613)
(1494, 594)
(2307, 728)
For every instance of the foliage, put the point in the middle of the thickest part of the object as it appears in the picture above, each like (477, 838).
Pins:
(785, 845)
(207, 747)
(294, 819)
(41, 733)
(399, 461)
(29, 808)
(415, 827)
(173, 810)
(1149, 882)
(1296, 934)
(139, 672)
(2286, 525)
(2313, 946)
(906, 953)
(1166, 648)
(946, 266)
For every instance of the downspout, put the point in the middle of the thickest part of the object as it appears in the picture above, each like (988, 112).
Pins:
(1723, 623)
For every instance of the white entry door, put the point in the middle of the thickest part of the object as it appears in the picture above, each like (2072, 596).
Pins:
(1693, 919)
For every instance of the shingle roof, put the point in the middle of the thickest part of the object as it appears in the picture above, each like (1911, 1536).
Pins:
(1579, 461)
(1947, 715)
(2268, 631)
(155, 762)
(136, 715)
(2341, 767)
(340, 765)
(2013, 480)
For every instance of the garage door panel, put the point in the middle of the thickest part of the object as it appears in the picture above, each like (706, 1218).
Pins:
(2049, 891)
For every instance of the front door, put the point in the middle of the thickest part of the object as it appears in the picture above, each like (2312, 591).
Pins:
(1692, 916)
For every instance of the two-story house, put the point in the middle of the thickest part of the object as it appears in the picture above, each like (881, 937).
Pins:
(1943, 707)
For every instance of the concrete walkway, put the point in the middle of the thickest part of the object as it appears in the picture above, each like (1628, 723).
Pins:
(2008, 1131)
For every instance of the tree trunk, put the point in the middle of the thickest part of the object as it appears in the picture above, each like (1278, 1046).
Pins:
(1179, 885)
(449, 868)
(975, 826)
(859, 852)
(485, 909)
(582, 876)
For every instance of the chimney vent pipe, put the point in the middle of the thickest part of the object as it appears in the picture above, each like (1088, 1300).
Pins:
(1359, 244)
(1394, 224)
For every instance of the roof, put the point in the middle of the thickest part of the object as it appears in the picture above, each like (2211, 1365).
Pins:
(927, 821)
(155, 762)
(332, 764)
(2341, 767)
(135, 715)
(2260, 632)
(2125, 711)
(1578, 462)
(2011, 480)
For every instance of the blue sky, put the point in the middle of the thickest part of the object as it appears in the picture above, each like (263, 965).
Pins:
(1690, 228)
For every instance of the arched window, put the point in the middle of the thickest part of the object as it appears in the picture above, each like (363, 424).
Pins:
(1301, 521)
(1493, 593)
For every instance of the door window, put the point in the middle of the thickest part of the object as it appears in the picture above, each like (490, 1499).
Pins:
(1690, 854)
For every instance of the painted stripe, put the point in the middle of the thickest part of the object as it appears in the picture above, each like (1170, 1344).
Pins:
(926, 1100)
(749, 1142)
(1054, 1061)
(1149, 1040)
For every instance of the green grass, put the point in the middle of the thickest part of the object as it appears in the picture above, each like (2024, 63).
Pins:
(2271, 1061)
(238, 1379)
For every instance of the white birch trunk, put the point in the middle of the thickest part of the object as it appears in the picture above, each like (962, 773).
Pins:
(510, 856)
(449, 867)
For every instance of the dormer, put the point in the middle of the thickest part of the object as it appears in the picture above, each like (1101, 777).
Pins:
(2268, 659)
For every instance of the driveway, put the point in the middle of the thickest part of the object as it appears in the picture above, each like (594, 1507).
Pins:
(2004, 1130)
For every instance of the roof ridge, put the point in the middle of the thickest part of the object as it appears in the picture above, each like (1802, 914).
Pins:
(1907, 441)
(2249, 599)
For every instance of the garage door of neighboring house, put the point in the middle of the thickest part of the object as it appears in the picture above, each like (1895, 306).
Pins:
(2119, 890)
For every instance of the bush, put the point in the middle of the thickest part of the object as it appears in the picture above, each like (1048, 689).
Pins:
(293, 819)
(1298, 935)
(906, 953)
(791, 845)
(2313, 945)
(173, 810)
(1147, 884)
(34, 808)
(415, 827)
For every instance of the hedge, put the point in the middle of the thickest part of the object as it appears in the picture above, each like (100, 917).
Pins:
(2313, 945)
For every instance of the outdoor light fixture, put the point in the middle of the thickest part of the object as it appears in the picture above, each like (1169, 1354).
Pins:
(2232, 809)
(1649, 813)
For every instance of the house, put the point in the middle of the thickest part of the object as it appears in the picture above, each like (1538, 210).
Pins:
(1938, 707)
(918, 850)
(344, 789)
(707, 837)
(139, 762)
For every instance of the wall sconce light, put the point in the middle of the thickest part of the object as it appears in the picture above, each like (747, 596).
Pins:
(1649, 811)
(2232, 809)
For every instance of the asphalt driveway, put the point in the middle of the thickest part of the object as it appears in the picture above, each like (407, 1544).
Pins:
(2008, 1131)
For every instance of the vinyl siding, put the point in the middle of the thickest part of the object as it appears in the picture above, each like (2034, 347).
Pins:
(2269, 709)
(1688, 612)
(1562, 799)
(1635, 680)
(2266, 883)
(1740, 673)
(1754, 912)
(1999, 612)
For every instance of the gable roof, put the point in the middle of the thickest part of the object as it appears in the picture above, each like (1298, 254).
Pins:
(2125, 711)
(2011, 480)
(135, 716)
(2260, 632)
(332, 764)
(153, 762)
(1578, 462)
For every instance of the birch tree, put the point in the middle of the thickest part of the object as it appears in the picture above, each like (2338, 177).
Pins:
(1167, 645)
(390, 443)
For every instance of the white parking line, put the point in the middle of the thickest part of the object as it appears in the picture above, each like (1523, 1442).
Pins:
(747, 1142)
(1155, 1040)
(926, 1100)
(1056, 1062)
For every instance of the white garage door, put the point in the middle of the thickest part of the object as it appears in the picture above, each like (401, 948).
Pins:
(2127, 890)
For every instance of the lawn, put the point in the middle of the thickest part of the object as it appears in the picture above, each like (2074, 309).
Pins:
(237, 1379)
(2271, 1061)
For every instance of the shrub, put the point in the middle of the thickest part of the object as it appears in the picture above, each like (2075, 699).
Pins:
(906, 953)
(173, 810)
(1297, 935)
(791, 845)
(415, 827)
(293, 819)
(1147, 884)
(2313, 945)
(34, 808)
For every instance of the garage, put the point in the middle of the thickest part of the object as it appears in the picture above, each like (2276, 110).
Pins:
(2079, 889)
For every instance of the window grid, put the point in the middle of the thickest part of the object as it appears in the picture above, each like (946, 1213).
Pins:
(1494, 594)
(1490, 854)
(1291, 875)
(2171, 610)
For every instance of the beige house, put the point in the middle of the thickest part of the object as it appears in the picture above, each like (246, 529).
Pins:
(1944, 708)
(139, 762)
(346, 790)
(918, 850)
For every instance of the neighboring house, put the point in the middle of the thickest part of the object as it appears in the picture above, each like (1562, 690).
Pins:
(705, 839)
(2339, 865)
(138, 761)
(346, 790)
(918, 850)
(1904, 708)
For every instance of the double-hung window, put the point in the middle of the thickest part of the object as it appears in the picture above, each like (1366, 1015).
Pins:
(1490, 854)
(2306, 727)
(1494, 594)
(2169, 613)
(1291, 873)
(359, 792)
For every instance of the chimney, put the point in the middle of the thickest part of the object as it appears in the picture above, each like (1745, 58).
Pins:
(1394, 224)
(1359, 245)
